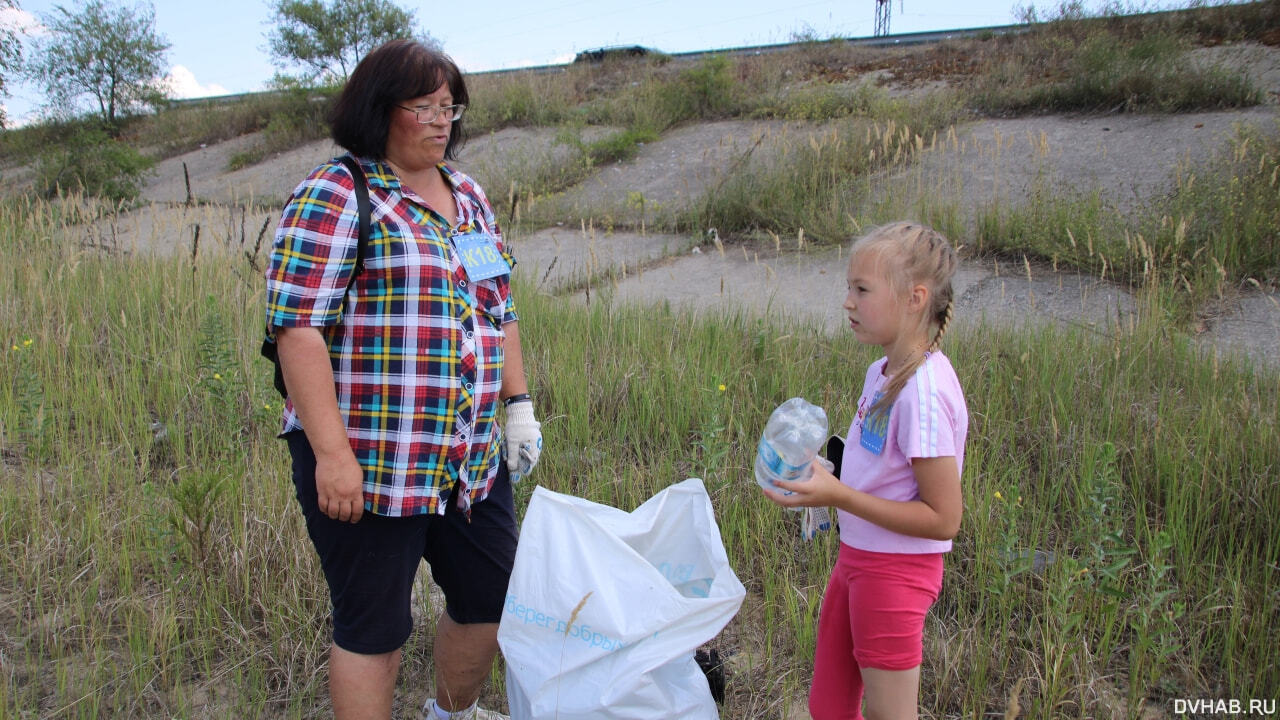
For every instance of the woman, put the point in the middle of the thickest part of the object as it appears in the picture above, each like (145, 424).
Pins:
(396, 358)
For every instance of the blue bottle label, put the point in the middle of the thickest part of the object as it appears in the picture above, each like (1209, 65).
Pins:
(776, 465)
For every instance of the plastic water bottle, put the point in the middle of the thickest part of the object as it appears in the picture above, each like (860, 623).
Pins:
(791, 440)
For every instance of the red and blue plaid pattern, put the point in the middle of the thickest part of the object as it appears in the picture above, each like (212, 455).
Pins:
(416, 346)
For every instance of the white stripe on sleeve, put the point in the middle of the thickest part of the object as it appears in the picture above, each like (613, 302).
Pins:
(928, 407)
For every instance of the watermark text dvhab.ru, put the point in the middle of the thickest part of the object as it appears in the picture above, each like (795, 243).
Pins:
(1205, 707)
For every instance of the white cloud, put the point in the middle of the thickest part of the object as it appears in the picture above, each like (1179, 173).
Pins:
(183, 84)
(21, 119)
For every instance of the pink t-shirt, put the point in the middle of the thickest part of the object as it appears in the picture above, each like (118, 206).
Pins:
(928, 419)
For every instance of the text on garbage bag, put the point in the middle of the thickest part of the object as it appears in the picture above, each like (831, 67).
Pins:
(578, 631)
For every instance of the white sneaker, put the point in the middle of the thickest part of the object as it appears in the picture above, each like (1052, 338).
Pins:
(475, 712)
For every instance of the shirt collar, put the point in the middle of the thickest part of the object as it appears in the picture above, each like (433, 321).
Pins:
(380, 174)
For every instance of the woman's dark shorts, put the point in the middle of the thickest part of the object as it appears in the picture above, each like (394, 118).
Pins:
(370, 565)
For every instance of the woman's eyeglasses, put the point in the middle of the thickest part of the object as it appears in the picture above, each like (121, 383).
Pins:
(427, 114)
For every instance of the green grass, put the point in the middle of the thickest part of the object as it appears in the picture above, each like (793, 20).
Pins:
(517, 99)
(820, 184)
(1105, 71)
(1103, 61)
(1211, 236)
(297, 116)
(186, 127)
(154, 563)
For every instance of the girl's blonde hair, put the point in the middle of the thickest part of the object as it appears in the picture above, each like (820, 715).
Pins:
(914, 254)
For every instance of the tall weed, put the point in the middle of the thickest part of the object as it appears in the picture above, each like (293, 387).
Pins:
(187, 126)
(818, 184)
(705, 91)
(518, 99)
(1209, 237)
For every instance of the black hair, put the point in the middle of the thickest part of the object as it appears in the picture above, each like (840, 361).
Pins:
(395, 71)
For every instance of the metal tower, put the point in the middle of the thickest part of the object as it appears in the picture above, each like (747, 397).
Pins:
(882, 17)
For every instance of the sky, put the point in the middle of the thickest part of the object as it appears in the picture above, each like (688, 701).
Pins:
(219, 47)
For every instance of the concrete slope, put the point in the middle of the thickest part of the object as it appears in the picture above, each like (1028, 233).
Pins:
(1128, 159)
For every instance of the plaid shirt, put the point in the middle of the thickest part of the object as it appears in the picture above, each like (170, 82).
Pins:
(416, 347)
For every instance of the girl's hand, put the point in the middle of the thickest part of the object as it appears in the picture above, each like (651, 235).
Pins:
(821, 490)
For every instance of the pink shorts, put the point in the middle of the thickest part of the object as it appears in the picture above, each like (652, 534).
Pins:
(873, 617)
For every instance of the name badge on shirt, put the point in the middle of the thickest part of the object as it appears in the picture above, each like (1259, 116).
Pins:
(875, 426)
(479, 255)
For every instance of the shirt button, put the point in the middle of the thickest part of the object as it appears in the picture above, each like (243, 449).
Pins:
(462, 283)
(469, 387)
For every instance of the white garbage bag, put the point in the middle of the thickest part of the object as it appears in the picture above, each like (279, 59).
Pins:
(605, 608)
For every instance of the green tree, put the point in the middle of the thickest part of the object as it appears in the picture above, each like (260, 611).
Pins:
(109, 53)
(329, 38)
(10, 56)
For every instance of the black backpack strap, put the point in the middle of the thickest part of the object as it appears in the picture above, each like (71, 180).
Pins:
(362, 207)
(268, 349)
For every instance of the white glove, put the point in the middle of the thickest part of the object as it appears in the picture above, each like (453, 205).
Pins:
(524, 439)
(816, 519)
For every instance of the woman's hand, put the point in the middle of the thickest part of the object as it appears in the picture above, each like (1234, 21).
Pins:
(523, 431)
(821, 490)
(304, 359)
(340, 486)
(524, 439)
(935, 515)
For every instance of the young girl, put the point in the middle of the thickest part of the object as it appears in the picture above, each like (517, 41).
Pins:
(898, 494)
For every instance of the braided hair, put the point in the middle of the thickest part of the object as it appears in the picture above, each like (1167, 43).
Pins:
(914, 254)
